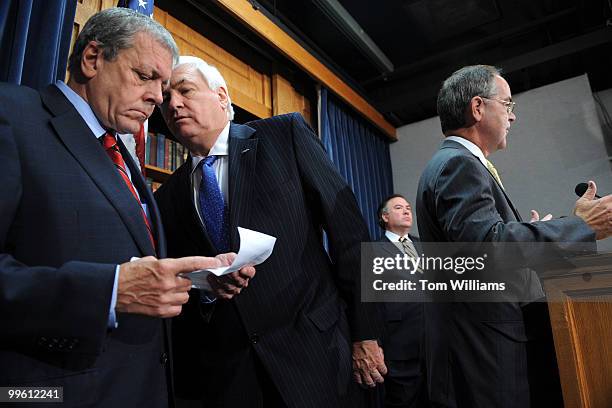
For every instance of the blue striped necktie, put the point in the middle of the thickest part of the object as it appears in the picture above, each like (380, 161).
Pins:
(212, 206)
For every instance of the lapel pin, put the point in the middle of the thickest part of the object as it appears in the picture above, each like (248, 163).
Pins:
(245, 150)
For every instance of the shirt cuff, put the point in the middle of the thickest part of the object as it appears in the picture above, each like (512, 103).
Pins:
(112, 317)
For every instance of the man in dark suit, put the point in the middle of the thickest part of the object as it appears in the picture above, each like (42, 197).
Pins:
(74, 311)
(477, 353)
(288, 340)
(405, 384)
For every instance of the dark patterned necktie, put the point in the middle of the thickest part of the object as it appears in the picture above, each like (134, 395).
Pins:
(212, 206)
(410, 250)
(109, 142)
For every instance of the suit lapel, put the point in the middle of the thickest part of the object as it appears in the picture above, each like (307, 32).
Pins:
(516, 213)
(416, 242)
(389, 246)
(242, 159)
(76, 136)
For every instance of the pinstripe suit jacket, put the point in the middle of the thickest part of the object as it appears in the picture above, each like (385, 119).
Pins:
(301, 311)
(476, 352)
(66, 220)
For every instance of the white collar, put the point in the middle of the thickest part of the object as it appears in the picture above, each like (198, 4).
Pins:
(475, 150)
(220, 148)
(393, 237)
(83, 108)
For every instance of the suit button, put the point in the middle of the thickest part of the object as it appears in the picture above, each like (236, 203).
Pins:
(163, 359)
(254, 338)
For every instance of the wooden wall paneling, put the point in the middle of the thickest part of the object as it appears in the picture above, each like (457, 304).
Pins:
(286, 99)
(87, 8)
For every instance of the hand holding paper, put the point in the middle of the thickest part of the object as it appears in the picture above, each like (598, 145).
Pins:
(255, 248)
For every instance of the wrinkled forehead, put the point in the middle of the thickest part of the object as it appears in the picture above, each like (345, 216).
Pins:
(149, 54)
(187, 73)
(398, 201)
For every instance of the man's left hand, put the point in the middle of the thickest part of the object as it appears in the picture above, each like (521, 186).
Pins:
(368, 363)
(227, 286)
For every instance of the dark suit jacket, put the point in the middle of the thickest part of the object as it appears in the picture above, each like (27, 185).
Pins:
(476, 354)
(296, 313)
(67, 219)
(403, 320)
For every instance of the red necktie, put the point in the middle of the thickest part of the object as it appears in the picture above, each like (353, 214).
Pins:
(112, 149)
(139, 138)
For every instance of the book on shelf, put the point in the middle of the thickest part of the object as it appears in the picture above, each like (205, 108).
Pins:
(161, 150)
(164, 152)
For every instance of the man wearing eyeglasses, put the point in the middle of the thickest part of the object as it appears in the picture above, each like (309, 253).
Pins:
(480, 354)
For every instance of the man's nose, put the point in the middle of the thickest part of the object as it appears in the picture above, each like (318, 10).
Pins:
(154, 93)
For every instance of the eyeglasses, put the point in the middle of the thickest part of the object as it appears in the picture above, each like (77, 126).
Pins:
(508, 104)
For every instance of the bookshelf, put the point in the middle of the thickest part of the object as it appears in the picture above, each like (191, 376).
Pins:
(163, 153)
(157, 173)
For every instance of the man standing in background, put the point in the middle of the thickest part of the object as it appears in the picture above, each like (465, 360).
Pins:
(405, 384)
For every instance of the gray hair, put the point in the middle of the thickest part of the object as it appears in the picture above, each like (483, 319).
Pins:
(114, 30)
(458, 90)
(211, 76)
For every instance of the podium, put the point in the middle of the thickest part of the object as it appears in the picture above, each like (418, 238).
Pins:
(580, 306)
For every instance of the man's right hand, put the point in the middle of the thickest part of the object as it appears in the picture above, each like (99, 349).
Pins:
(597, 213)
(151, 287)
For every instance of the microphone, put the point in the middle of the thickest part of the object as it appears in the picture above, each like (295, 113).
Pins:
(581, 188)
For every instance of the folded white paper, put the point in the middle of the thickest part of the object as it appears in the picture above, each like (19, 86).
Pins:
(255, 248)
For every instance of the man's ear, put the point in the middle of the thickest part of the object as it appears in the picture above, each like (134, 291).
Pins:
(476, 109)
(223, 98)
(385, 217)
(89, 60)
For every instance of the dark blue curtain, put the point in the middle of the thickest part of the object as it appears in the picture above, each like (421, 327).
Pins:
(35, 40)
(360, 153)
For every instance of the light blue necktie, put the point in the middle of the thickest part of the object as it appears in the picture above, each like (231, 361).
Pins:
(212, 206)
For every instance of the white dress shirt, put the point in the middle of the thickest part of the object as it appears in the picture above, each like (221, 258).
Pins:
(393, 237)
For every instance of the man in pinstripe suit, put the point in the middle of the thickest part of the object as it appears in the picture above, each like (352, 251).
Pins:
(290, 338)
